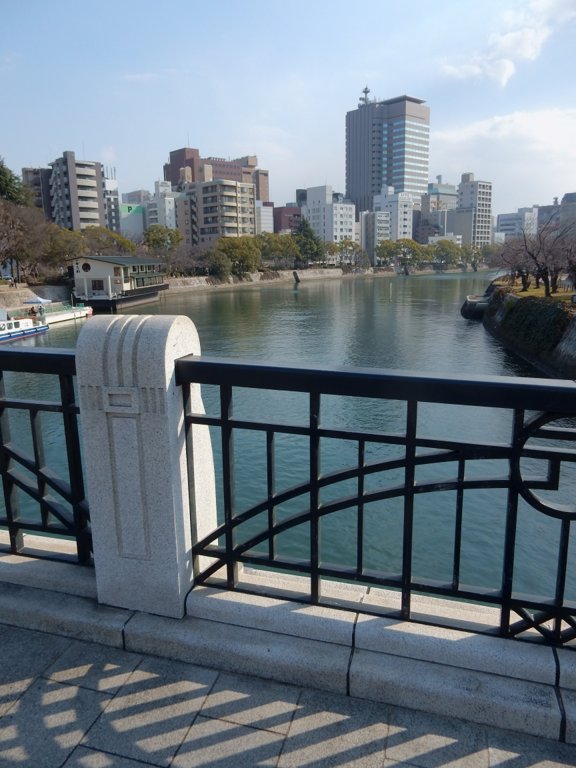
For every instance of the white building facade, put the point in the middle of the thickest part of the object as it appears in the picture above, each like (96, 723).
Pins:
(399, 206)
(264, 213)
(330, 216)
(476, 198)
(162, 208)
(512, 225)
(374, 228)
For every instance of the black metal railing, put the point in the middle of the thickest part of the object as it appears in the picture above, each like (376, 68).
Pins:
(452, 488)
(40, 452)
(399, 483)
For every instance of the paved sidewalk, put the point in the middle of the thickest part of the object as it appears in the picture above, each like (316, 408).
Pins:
(67, 703)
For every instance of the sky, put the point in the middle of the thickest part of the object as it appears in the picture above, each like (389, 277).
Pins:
(124, 83)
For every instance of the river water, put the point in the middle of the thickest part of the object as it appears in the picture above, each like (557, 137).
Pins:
(411, 323)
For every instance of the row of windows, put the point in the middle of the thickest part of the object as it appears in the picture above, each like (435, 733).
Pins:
(410, 162)
(421, 145)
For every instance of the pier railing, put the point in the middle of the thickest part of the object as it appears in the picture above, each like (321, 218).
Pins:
(403, 485)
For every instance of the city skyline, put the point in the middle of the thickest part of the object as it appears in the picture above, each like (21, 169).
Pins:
(125, 85)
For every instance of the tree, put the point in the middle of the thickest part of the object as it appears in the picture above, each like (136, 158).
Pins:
(100, 241)
(217, 264)
(243, 253)
(279, 250)
(348, 252)
(542, 254)
(309, 244)
(11, 188)
(62, 244)
(386, 252)
(408, 253)
(514, 257)
(446, 252)
(23, 232)
(161, 238)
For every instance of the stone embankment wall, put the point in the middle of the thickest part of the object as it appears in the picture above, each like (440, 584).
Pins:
(191, 283)
(541, 331)
(13, 298)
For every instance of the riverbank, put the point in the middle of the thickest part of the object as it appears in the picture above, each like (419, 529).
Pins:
(540, 331)
(205, 283)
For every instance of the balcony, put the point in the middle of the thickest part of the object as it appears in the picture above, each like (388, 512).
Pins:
(156, 499)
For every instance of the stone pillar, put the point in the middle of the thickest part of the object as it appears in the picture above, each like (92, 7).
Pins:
(131, 412)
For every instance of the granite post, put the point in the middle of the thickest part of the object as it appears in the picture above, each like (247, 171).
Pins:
(132, 418)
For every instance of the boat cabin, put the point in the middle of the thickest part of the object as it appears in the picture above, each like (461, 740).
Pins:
(107, 282)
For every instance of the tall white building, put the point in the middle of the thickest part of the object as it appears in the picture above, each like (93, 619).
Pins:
(473, 215)
(161, 209)
(399, 206)
(374, 228)
(330, 216)
(77, 193)
(264, 217)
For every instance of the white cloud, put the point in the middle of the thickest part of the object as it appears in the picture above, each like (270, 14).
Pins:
(528, 156)
(525, 33)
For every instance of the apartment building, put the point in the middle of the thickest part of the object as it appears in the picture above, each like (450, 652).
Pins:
(77, 193)
(206, 211)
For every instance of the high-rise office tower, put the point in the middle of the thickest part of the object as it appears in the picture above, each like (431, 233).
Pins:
(387, 145)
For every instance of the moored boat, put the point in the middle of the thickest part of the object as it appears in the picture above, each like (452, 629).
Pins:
(474, 307)
(17, 328)
(60, 313)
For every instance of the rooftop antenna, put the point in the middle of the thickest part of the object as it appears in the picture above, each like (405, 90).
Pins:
(364, 100)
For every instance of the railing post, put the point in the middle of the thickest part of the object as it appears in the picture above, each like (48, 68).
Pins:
(132, 419)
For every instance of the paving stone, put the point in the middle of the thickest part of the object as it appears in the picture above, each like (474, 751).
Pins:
(25, 655)
(428, 741)
(150, 715)
(88, 758)
(94, 666)
(331, 731)
(249, 701)
(221, 744)
(507, 748)
(47, 723)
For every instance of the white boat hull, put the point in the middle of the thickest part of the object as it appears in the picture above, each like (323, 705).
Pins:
(18, 329)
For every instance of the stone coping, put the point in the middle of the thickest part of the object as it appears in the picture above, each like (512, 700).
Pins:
(521, 686)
